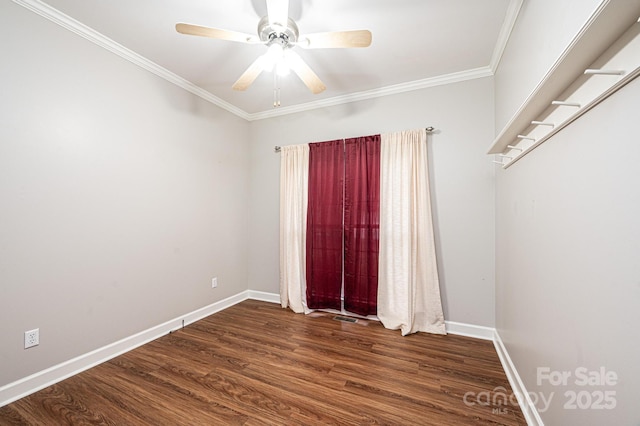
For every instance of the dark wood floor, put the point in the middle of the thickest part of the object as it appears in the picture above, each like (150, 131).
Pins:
(258, 364)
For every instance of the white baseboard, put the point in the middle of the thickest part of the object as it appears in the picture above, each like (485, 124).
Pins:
(527, 406)
(40, 380)
(264, 296)
(469, 330)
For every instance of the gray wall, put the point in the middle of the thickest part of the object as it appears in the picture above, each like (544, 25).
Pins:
(568, 239)
(462, 181)
(568, 244)
(122, 196)
(543, 30)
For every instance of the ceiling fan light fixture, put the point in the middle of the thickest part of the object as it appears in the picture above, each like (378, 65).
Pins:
(280, 35)
(275, 60)
(273, 57)
(275, 51)
(282, 68)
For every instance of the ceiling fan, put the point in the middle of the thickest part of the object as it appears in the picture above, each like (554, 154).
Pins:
(280, 34)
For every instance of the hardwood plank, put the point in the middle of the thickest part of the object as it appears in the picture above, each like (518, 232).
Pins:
(343, 407)
(276, 396)
(56, 402)
(258, 364)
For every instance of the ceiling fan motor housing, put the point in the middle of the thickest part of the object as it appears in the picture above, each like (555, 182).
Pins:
(275, 33)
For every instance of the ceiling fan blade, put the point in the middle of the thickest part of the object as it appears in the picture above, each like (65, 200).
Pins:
(278, 12)
(198, 30)
(249, 76)
(306, 74)
(337, 39)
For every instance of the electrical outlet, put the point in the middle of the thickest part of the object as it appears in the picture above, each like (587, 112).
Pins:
(214, 282)
(31, 338)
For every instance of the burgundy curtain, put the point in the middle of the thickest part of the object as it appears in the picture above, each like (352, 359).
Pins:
(324, 225)
(361, 224)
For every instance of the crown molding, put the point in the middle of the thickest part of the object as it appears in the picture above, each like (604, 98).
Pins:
(377, 93)
(505, 33)
(101, 40)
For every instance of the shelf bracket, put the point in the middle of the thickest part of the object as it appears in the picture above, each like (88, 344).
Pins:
(565, 103)
(542, 123)
(603, 72)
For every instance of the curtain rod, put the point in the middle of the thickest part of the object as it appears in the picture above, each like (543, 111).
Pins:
(429, 130)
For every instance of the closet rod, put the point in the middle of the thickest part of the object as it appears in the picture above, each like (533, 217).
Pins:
(429, 130)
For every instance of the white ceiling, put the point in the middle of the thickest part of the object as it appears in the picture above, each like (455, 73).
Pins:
(416, 43)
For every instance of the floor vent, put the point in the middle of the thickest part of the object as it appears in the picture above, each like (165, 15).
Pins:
(344, 319)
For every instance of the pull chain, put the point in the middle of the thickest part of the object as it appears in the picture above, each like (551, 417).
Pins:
(276, 90)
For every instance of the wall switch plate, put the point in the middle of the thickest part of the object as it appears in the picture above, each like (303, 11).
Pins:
(214, 282)
(31, 338)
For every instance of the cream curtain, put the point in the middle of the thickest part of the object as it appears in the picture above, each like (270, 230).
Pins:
(294, 177)
(408, 286)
